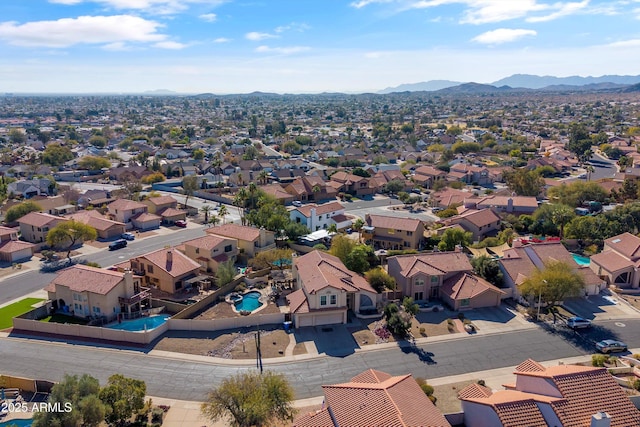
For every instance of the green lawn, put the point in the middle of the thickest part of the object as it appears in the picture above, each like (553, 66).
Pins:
(16, 309)
(61, 318)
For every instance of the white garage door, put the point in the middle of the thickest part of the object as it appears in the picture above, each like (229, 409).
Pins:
(328, 319)
(305, 321)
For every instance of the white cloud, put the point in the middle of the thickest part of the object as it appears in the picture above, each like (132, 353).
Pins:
(170, 45)
(503, 35)
(282, 50)
(625, 43)
(116, 47)
(160, 7)
(362, 3)
(294, 26)
(564, 10)
(222, 40)
(256, 36)
(82, 30)
(209, 17)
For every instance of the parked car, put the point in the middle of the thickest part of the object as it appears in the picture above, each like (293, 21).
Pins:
(128, 236)
(578, 323)
(118, 244)
(181, 223)
(607, 346)
(296, 203)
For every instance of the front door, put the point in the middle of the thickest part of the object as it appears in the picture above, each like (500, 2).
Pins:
(418, 296)
(434, 293)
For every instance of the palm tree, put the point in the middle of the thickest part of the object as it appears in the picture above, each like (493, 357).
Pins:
(240, 200)
(263, 176)
(333, 228)
(222, 212)
(214, 220)
(589, 170)
(206, 209)
(316, 189)
(253, 189)
(561, 215)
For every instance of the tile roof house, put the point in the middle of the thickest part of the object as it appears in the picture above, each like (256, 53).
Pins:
(555, 396)
(619, 261)
(12, 249)
(106, 228)
(448, 197)
(133, 214)
(426, 176)
(353, 184)
(210, 250)
(375, 398)
(321, 217)
(34, 226)
(250, 240)
(507, 204)
(31, 187)
(481, 223)
(325, 290)
(94, 292)
(388, 232)
(443, 275)
(519, 262)
(166, 269)
(167, 208)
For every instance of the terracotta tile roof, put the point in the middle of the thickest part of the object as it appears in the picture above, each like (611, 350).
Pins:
(180, 264)
(6, 231)
(503, 201)
(474, 391)
(145, 216)
(450, 196)
(626, 244)
(94, 219)
(433, 264)
(239, 232)
(551, 251)
(320, 418)
(11, 246)
(405, 224)
(389, 402)
(162, 200)
(429, 171)
(276, 191)
(171, 212)
(371, 376)
(479, 218)
(81, 278)
(611, 261)
(39, 219)
(320, 209)
(297, 301)
(206, 242)
(465, 286)
(125, 205)
(529, 365)
(317, 270)
(338, 218)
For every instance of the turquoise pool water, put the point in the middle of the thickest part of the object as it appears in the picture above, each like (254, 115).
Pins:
(19, 422)
(250, 301)
(139, 324)
(581, 260)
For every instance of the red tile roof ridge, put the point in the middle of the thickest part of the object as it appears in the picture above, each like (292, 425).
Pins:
(529, 365)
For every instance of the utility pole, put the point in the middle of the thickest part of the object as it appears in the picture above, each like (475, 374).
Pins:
(540, 300)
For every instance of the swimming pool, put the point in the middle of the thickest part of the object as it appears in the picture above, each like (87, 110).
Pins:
(18, 422)
(250, 302)
(581, 260)
(141, 323)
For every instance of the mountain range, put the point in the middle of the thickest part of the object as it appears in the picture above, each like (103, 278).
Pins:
(522, 81)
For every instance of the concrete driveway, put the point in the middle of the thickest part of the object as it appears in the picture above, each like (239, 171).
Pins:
(332, 340)
(492, 319)
(599, 307)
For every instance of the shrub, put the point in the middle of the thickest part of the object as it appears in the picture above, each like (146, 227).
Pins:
(636, 385)
(482, 383)
(423, 331)
(240, 288)
(433, 399)
(427, 389)
(598, 360)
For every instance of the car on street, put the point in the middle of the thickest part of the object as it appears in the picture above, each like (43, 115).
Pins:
(181, 223)
(118, 244)
(578, 323)
(608, 346)
(128, 236)
(296, 203)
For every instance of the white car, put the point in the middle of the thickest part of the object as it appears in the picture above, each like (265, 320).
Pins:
(128, 236)
(578, 323)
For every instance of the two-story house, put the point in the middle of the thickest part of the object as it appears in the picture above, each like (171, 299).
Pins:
(167, 208)
(31, 187)
(89, 292)
(325, 290)
(249, 240)
(394, 233)
(34, 226)
(209, 251)
(12, 249)
(442, 275)
(426, 176)
(481, 223)
(133, 214)
(166, 269)
(321, 217)
(352, 184)
(619, 261)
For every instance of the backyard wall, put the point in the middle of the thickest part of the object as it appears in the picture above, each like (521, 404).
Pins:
(210, 299)
(225, 323)
(141, 337)
(171, 306)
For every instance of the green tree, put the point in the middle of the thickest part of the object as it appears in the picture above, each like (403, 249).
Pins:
(17, 136)
(123, 397)
(399, 318)
(552, 284)
(98, 141)
(394, 186)
(206, 210)
(579, 140)
(380, 280)
(561, 215)
(271, 258)
(576, 193)
(78, 398)
(341, 247)
(524, 182)
(488, 269)
(93, 163)
(67, 234)
(198, 154)
(222, 213)
(153, 178)
(294, 230)
(454, 237)
(56, 155)
(250, 399)
(189, 187)
(358, 259)
(226, 272)
(18, 211)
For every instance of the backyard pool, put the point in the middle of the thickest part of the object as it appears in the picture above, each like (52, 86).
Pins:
(141, 323)
(18, 422)
(250, 302)
(581, 260)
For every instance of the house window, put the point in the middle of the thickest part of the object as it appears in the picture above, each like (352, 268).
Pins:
(465, 302)
(406, 244)
(323, 300)
(334, 299)
(409, 233)
(419, 282)
(197, 250)
(96, 309)
(434, 279)
(228, 248)
(150, 268)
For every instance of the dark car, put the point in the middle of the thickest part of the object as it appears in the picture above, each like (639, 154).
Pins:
(118, 244)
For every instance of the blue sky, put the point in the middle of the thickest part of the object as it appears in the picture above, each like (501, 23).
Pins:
(305, 46)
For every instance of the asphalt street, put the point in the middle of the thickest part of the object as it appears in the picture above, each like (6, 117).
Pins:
(190, 380)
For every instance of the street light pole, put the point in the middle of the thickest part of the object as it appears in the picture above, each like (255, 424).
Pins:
(540, 300)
